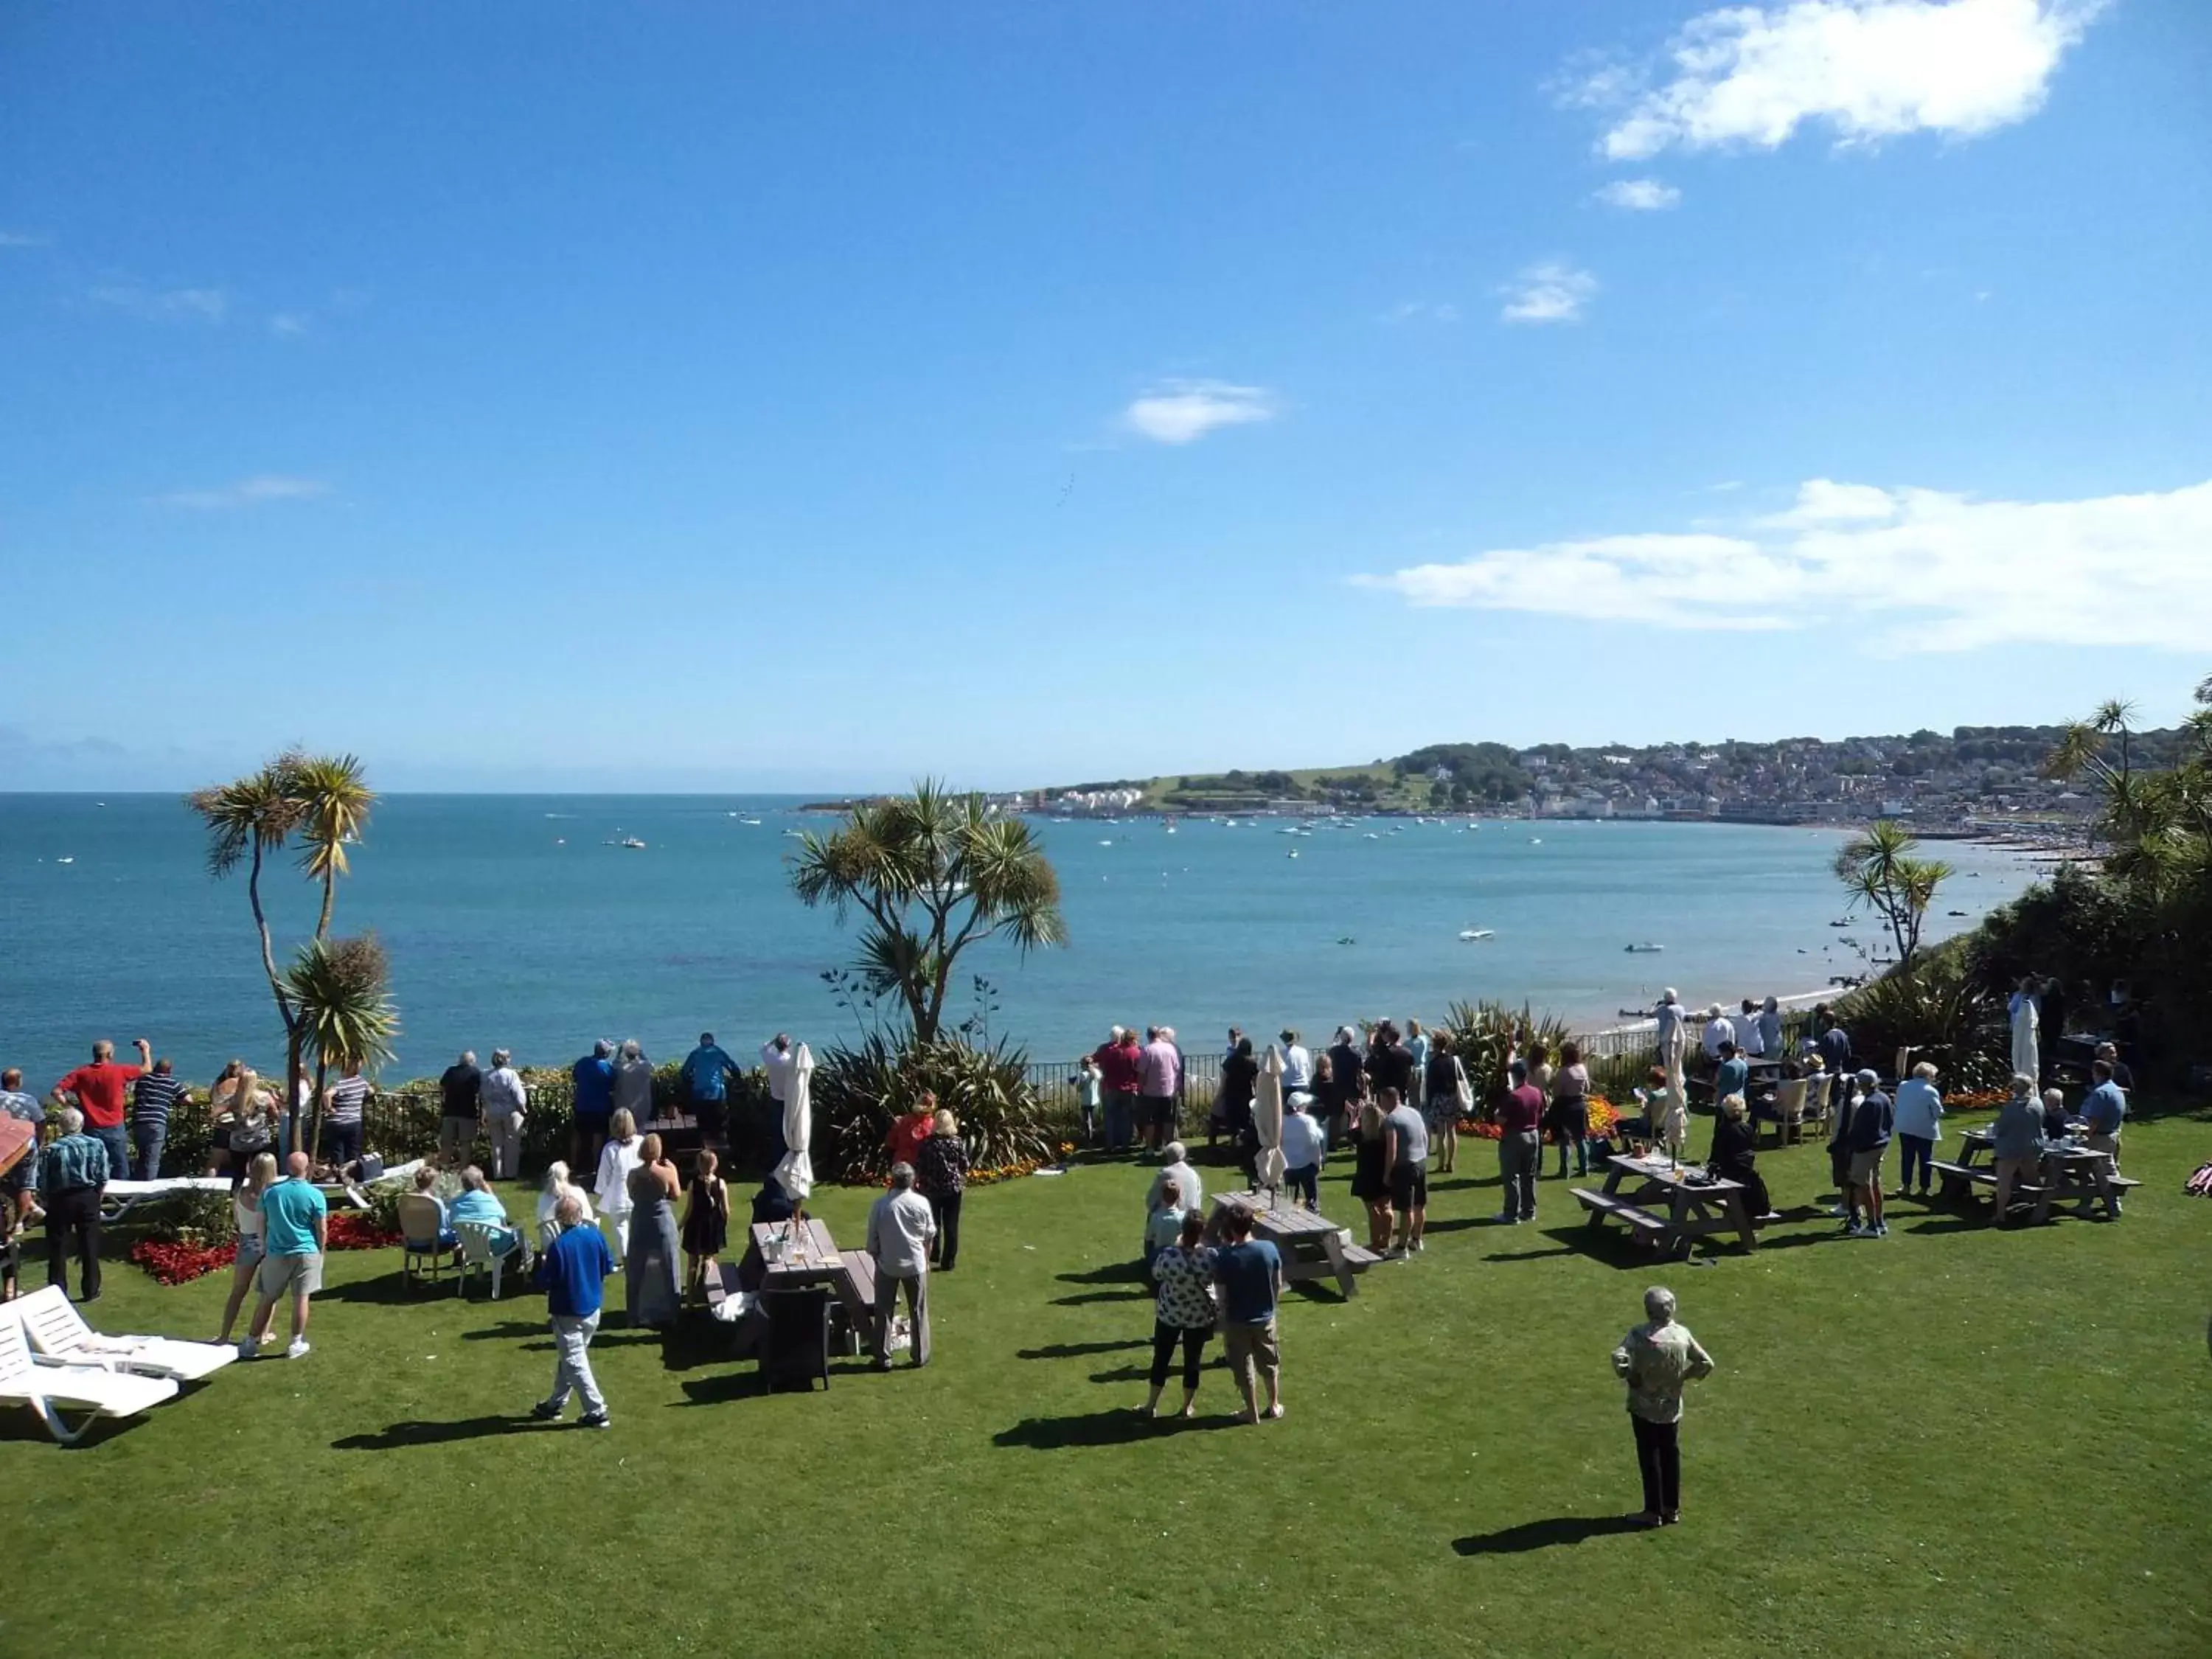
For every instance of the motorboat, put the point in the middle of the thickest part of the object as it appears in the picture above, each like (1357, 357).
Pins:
(1478, 932)
(1642, 949)
(631, 843)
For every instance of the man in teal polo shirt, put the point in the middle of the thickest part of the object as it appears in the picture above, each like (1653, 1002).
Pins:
(292, 1221)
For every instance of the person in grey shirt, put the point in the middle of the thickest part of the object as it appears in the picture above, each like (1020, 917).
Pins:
(2016, 1140)
(1405, 1166)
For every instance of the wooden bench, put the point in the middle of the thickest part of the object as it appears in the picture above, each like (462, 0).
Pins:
(1952, 1173)
(1601, 1204)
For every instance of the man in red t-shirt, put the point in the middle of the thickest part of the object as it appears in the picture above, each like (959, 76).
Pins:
(99, 1090)
(1520, 1144)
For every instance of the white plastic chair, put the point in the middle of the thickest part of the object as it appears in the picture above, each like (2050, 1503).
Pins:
(478, 1256)
(53, 1391)
(59, 1334)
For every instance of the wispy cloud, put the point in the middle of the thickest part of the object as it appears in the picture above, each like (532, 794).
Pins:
(246, 492)
(1640, 195)
(288, 325)
(1868, 68)
(1551, 291)
(162, 305)
(1420, 311)
(1183, 411)
(23, 239)
(1921, 569)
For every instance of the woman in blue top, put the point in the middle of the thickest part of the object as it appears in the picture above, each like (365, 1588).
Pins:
(478, 1203)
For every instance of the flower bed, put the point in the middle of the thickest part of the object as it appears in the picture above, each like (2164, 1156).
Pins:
(1602, 1114)
(1976, 1100)
(181, 1260)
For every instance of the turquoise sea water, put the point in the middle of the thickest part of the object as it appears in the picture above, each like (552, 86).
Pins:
(509, 921)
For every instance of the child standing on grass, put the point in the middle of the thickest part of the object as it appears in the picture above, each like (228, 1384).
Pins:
(706, 1222)
(1088, 1084)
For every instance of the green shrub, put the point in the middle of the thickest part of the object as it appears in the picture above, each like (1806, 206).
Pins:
(1486, 1035)
(1938, 1008)
(858, 1091)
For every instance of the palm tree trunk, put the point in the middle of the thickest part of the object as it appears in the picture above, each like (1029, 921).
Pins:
(292, 1046)
(330, 901)
(322, 1076)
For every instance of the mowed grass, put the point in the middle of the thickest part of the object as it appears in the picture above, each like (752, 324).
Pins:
(1952, 1442)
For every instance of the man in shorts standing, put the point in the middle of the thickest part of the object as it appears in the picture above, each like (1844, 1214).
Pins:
(1873, 1122)
(1405, 1166)
(1249, 1272)
(292, 1221)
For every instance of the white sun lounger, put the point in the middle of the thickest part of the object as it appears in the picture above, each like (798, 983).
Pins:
(58, 1332)
(55, 1391)
(118, 1198)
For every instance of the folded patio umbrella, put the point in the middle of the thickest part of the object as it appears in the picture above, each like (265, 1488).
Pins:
(794, 1171)
(1267, 1118)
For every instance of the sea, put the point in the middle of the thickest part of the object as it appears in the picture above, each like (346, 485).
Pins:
(522, 922)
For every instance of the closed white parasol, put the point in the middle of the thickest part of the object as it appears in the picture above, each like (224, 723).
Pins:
(794, 1171)
(1267, 1119)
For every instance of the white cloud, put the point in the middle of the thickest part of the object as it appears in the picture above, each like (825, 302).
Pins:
(1183, 411)
(1870, 68)
(23, 239)
(288, 325)
(246, 492)
(1640, 195)
(1421, 311)
(205, 304)
(1552, 292)
(1915, 569)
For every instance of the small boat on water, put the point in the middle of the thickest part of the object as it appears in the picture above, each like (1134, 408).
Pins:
(1841, 921)
(631, 844)
(1371, 836)
(1478, 932)
(71, 860)
(1294, 851)
(1642, 949)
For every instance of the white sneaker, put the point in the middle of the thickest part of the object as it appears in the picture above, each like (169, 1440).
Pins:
(296, 1348)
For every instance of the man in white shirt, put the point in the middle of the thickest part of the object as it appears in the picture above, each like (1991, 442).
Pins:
(1749, 1041)
(1719, 1028)
(1302, 1150)
(1298, 1066)
(776, 1061)
(900, 1231)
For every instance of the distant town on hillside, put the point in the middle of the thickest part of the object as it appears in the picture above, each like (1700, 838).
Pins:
(1975, 777)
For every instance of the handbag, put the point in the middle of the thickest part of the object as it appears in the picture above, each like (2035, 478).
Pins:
(1462, 1091)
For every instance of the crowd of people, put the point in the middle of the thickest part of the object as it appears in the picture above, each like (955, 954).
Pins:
(1393, 1096)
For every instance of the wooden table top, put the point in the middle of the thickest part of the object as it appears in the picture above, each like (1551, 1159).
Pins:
(1273, 1214)
(1666, 1176)
(812, 1249)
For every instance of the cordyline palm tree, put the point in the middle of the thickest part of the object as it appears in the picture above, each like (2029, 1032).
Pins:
(933, 872)
(1882, 870)
(2156, 827)
(340, 992)
(337, 803)
(323, 801)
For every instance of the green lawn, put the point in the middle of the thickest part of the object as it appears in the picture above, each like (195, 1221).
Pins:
(1952, 1442)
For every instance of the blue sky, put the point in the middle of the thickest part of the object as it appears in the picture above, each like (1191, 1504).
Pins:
(742, 397)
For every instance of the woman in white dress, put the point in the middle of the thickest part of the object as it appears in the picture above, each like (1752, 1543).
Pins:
(616, 1159)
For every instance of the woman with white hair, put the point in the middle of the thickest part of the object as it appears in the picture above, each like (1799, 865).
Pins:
(1919, 1124)
(1656, 1359)
(548, 1201)
(617, 1159)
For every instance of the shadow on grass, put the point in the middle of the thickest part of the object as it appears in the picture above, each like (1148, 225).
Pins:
(437, 1434)
(1117, 1272)
(1078, 1350)
(1135, 1293)
(1543, 1535)
(507, 1329)
(391, 1290)
(1113, 1428)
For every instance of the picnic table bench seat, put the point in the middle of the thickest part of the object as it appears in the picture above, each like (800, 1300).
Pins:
(1601, 1204)
(1980, 1175)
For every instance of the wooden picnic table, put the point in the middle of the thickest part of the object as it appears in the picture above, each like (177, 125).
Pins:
(790, 1255)
(1692, 1209)
(2070, 1173)
(1311, 1245)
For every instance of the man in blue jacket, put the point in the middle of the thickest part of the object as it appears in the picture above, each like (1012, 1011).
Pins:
(572, 1271)
(707, 1074)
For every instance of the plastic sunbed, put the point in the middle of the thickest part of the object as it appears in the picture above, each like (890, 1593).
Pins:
(57, 1331)
(55, 1391)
